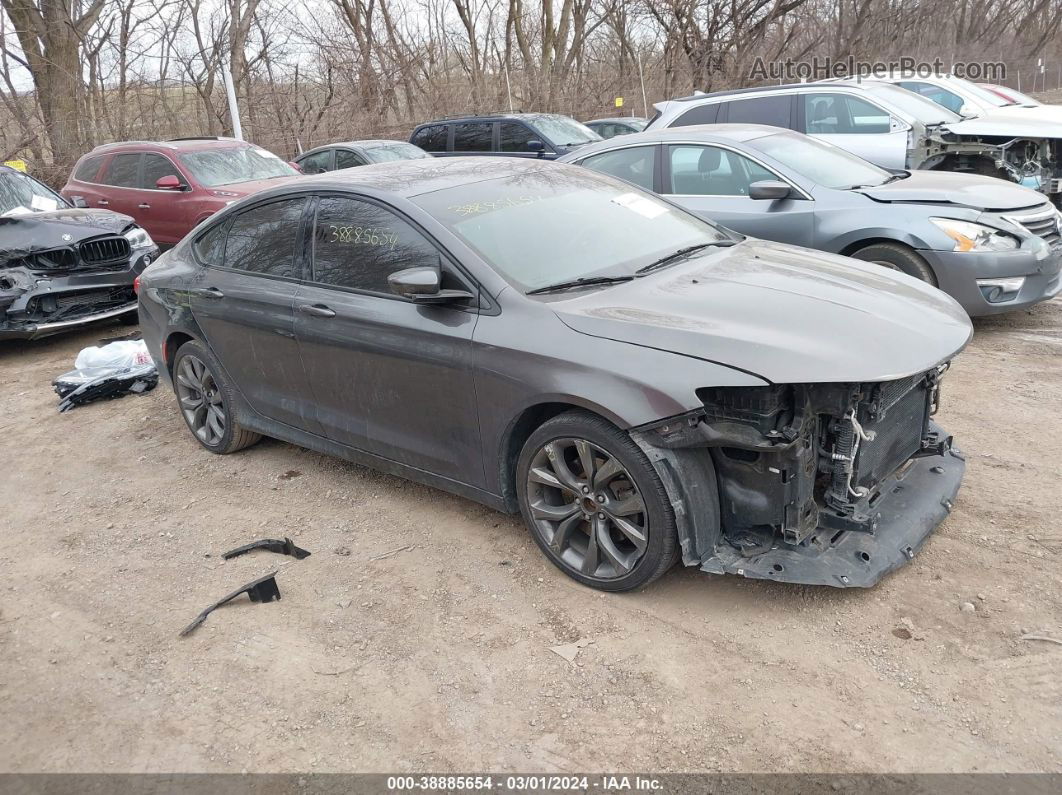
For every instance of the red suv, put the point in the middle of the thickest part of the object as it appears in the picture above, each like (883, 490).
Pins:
(170, 186)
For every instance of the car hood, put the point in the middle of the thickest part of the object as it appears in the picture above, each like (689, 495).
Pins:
(23, 234)
(241, 189)
(966, 190)
(1048, 113)
(783, 313)
(1010, 125)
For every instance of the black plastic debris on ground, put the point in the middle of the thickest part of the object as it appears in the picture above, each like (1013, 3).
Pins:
(264, 589)
(75, 391)
(285, 547)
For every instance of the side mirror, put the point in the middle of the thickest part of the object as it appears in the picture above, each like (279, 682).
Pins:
(423, 286)
(169, 182)
(769, 189)
(79, 202)
(535, 145)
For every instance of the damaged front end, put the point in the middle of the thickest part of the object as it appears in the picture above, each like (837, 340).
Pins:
(63, 270)
(1028, 161)
(823, 484)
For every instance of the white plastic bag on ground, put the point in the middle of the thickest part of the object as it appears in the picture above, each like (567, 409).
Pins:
(114, 355)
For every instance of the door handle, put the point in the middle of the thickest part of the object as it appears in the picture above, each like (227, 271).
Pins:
(144, 206)
(317, 310)
(207, 292)
(104, 202)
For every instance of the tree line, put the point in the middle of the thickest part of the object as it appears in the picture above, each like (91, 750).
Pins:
(76, 73)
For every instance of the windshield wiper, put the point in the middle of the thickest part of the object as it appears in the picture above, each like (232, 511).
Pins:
(682, 253)
(583, 282)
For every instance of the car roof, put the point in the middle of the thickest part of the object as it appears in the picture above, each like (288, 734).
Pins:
(614, 119)
(191, 144)
(408, 178)
(500, 116)
(707, 133)
(367, 143)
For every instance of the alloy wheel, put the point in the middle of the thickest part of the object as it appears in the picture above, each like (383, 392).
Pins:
(199, 397)
(587, 508)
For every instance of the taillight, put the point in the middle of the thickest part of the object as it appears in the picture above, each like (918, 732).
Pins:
(136, 285)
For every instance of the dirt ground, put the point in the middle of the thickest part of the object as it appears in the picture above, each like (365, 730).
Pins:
(418, 635)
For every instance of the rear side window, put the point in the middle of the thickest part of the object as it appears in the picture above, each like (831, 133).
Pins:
(702, 114)
(89, 169)
(122, 171)
(472, 137)
(634, 164)
(514, 137)
(357, 245)
(838, 114)
(210, 247)
(155, 168)
(431, 139)
(262, 239)
(761, 110)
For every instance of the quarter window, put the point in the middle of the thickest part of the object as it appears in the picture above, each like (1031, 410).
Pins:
(702, 114)
(155, 168)
(634, 164)
(761, 110)
(514, 137)
(122, 171)
(317, 163)
(262, 239)
(472, 137)
(357, 244)
(710, 171)
(431, 139)
(837, 114)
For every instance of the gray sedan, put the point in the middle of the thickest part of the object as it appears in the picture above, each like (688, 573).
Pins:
(992, 245)
(637, 382)
(350, 154)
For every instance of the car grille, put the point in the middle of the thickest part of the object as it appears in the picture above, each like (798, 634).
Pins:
(104, 251)
(1042, 223)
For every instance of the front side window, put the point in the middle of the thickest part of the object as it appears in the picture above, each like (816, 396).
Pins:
(472, 136)
(702, 114)
(262, 239)
(348, 159)
(21, 193)
(941, 96)
(431, 139)
(317, 163)
(357, 244)
(822, 163)
(761, 110)
(213, 167)
(562, 130)
(838, 114)
(711, 171)
(539, 228)
(514, 137)
(634, 164)
(155, 168)
(122, 171)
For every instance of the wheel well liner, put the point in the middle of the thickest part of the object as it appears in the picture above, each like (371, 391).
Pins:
(852, 248)
(173, 343)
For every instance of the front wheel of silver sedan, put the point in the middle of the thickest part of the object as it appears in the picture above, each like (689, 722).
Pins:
(205, 401)
(594, 504)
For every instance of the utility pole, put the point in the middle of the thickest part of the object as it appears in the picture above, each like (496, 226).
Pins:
(234, 109)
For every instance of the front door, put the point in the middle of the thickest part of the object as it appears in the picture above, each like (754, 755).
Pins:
(714, 182)
(390, 377)
(243, 303)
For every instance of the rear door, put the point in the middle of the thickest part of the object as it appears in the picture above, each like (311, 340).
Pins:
(714, 182)
(472, 138)
(120, 179)
(243, 304)
(390, 377)
(855, 124)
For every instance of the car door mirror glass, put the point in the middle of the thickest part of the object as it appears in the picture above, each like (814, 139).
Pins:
(169, 182)
(534, 145)
(769, 189)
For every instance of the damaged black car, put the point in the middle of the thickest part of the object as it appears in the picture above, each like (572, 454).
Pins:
(643, 386)
(63, 267)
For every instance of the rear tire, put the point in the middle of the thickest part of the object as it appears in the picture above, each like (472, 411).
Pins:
(897, 257)
(594, 504)
(205, 400)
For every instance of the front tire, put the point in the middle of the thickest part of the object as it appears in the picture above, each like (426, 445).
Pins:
(594, 504)
(897, 257)
(206, 400)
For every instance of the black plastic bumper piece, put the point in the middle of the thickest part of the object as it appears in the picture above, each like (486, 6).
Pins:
(285, 547)
(914, 501)
(264, 589)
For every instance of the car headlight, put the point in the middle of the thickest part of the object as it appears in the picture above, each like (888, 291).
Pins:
(975, 237)
(139, 238)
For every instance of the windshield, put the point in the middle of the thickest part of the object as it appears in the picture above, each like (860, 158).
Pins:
(924, 110)
(820, 162)
(563, 130)
(559, 224)
(995, 100)
(635, 123)
(395, 151)
(213, 167)
(1017, 96)
(20, 194)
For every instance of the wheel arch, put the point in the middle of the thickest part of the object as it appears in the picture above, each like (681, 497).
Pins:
(174, 340)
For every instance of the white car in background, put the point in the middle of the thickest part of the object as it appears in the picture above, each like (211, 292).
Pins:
(970, 100)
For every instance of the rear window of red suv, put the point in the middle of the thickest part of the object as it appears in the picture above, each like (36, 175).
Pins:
(214, 167)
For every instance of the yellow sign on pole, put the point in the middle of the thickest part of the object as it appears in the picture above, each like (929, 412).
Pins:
(18, 165)
(619, 102)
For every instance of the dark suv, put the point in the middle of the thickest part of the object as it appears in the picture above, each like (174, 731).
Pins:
(545, 135)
